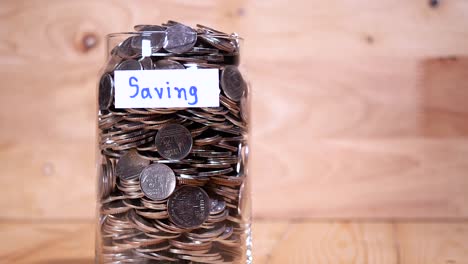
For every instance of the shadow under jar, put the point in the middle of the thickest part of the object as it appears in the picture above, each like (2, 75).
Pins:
(173, 181)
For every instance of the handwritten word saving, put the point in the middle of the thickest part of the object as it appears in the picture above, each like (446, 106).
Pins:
(147, 93)
(167, 88)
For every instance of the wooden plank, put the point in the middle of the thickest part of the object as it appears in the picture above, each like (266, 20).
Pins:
(371, 242)
(433, 243)
(359, 109)
(49, 242)
(266, 235)
(274, 242)
(340, 243)
(363, 178)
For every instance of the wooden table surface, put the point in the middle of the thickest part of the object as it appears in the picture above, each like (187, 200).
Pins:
(275, 242)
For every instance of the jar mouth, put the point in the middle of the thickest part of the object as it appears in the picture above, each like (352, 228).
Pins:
(209, 44)
(232, 36)
(127, 33)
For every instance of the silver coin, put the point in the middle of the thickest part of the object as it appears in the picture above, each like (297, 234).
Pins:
(130, 165)
(210, 30)
(129, 65)
(136, 43)
(174, 142)
(245, 107)
(168, 65)
(188, 207)
(157, 181)
(146, 63)
(244, 204)
(180, 38)
(232, 83)
(148, 28)
(217, 206)
(202, 50)
(106, 92)
(156, 40)
(125, 50)
(103, 182)
(219, 43)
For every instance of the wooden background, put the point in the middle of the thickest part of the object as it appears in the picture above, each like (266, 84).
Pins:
(360, 108)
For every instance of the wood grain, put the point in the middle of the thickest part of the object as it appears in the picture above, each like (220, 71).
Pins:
(274, 242)
(359, 107)
(52, 242)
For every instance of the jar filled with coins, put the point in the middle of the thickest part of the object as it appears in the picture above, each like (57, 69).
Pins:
(173, 148)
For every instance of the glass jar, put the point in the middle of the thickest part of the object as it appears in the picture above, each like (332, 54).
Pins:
(172, 148)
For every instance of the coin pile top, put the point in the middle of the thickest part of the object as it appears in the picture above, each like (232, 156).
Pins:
(171, 180)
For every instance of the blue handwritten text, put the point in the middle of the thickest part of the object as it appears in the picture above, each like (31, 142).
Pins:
(158, 92)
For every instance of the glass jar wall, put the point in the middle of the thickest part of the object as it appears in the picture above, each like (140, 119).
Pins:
(172, 181)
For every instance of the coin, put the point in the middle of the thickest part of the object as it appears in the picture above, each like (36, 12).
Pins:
(129, 65)
(180, 38)
(168, 65)
(136, 42)
(189, 207)
(103, 182)
(157, 181)
(146, 63)
(125, 49)
(106, 92)
(232, 83)
(174, 142)
(155, 39)
(244, 110)
(148, 28)
(130, 165)
(210, 30)
(219, 43)
(217, 206)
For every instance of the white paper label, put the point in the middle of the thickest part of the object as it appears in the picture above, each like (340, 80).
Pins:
(145, 47)
(166, 88)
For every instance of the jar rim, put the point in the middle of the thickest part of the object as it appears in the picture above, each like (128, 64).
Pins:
(232, 36)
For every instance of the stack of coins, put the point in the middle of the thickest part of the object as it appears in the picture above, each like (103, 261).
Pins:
(172, 181)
